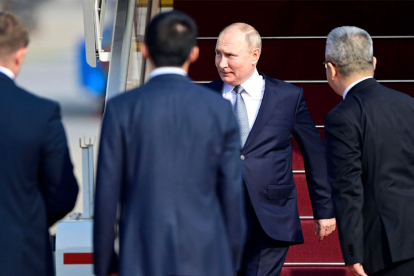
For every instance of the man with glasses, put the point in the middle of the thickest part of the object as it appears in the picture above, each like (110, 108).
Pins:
(270, 112)
(370, 152)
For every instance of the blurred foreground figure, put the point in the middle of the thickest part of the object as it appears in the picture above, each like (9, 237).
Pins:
(37, 185)
(169, 158)
(370, 145)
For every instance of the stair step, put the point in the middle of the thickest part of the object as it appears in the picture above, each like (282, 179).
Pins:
(315, 271)
(297, 159)
(300, 18)
(321, 99)
(314, 251)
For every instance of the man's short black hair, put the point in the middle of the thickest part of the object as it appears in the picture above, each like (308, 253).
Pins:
(170, 37)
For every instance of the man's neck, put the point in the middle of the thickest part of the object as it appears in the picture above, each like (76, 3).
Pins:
(343, 85)
(167, 70)
(185, 66)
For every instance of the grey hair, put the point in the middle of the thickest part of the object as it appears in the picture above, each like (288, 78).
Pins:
(252, 36)
(350, 49)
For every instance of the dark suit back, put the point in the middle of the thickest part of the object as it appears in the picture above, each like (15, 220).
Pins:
(267, 165)
(370, 140)
(36, 180)
(169, 155)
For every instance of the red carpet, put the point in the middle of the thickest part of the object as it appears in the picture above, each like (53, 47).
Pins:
(314, 271)
(304, 203)
(313, 250)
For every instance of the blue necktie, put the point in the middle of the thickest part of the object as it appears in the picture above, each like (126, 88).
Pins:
(241, 115)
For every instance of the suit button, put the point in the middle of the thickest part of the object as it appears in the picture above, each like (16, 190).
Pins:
(242, 157)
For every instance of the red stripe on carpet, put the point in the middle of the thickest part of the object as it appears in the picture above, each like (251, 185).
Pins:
(77, 258)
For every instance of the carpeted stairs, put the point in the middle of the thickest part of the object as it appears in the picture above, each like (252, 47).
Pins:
(294, 34)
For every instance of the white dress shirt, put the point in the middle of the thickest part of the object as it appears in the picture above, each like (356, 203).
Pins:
(7, 72)
(252, 95)
(353, 84)
(167, 70)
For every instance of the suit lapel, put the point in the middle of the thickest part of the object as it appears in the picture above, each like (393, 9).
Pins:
(269, 101)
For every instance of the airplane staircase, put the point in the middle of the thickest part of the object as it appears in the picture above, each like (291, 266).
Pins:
(294, 35)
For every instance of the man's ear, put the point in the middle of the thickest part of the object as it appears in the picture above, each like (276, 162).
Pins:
(195, 52)
(374, 62)
(256, 55)
(19, 57)
(333, 71)
(144, 51)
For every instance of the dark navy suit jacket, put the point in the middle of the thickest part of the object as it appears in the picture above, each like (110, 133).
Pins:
(169, 155)
(267, 168)
(37, 185)
(370, 146)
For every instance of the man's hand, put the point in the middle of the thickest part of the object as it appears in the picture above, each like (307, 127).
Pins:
(356, 269)
(324, 227)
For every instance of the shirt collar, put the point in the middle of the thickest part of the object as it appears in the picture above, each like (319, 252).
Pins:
(167, 70)
(250, 85)
(353, 84)
(7, 72)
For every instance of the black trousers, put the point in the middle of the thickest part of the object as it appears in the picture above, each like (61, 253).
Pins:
(263, 256)
(404, 268)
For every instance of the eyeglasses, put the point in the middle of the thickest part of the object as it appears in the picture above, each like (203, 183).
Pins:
(325, 63)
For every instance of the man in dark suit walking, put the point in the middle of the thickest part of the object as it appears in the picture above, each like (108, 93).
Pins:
(270, 112)
(370, 149)
(37, 185)
(169, 156)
